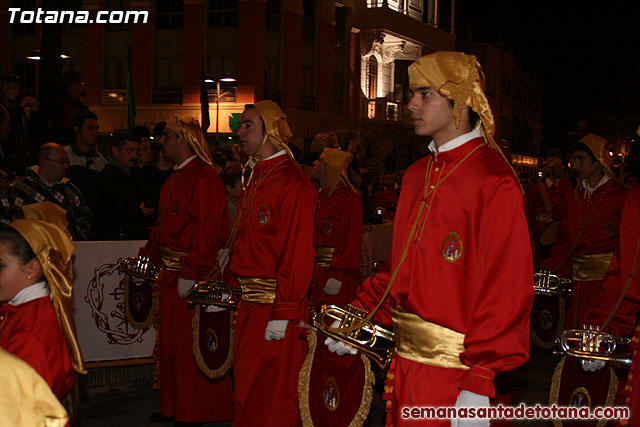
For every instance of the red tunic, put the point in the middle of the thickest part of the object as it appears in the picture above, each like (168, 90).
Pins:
(468, 268)
(31, 331)
(274, 240)
(625, 259)
(338, 225)
(196, 222)
(599, 218)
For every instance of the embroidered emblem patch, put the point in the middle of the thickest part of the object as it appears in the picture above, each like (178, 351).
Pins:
(263, 215)
(580, 398)
(211, 340)
(452, 247)
(328, 227)
(610, 228)
(331, 395)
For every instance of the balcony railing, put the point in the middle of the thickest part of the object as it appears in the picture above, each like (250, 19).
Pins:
(406, 7)
(382, 109)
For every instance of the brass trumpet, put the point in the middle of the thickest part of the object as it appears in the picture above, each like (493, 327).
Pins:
(547, 283)
(141, 267)
(215, 293)
(589, 343)
(375, 342)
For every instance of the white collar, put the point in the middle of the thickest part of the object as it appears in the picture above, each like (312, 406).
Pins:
(183, 164)
(603, 181)
(273, 156)
(35, 291)
(455, 142)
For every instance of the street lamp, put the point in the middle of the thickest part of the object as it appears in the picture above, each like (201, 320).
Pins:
(225, 78)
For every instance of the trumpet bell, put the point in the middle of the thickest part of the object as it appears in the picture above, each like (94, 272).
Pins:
(547, 283)
(140, 267)
(214, 293)
(374, 341)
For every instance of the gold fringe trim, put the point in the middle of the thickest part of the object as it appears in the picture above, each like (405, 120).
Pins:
(555, 390)
(154, 305)
(562, 318)
(305, 377)
(211, 373)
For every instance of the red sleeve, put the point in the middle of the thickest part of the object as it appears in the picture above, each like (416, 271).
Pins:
(29, 348)
(208, 208)
(370, 293)
(346, 254)
(497, 333)
(295, 249)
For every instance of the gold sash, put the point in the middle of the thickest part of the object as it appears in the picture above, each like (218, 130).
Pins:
(425, 342)
(171, 258)
(258, 289)
(324, 256)
(591, 267)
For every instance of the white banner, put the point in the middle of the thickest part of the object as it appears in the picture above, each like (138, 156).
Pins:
(98, 301)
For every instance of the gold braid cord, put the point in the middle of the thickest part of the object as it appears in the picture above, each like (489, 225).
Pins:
(211, 373)
(304, 379)
(555, 391)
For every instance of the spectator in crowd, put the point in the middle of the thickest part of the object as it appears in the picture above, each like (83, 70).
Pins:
(222, 160)
(121, 215)
(525, 181)
(48, 182)
(17, 147)
(397, 180)
(353, 147)
(73, 84)
(85, 161)
(153, 172)
(145, 151)
(385, 201)
(232, 179)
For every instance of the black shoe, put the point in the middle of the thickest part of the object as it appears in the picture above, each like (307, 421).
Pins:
(157, 417)
(187, 424)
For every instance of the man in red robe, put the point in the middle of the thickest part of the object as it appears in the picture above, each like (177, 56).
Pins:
(337, 235)
(462, 283)
(589, 229)
(539, 206)
(193, 224)
(272, 257)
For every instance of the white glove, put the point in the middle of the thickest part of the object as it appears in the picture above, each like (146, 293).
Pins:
(214, 309)
(469, 399)
(339, 347)
(223, 259)
(183, 287)
(332, 287)
(276, 330)
(592, 365)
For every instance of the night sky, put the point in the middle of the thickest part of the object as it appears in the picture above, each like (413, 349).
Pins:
(585, 54)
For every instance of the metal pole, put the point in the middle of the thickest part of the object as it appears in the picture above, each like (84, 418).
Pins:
(217, 111)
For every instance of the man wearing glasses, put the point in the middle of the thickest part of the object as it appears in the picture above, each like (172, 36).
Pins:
(48, 182)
